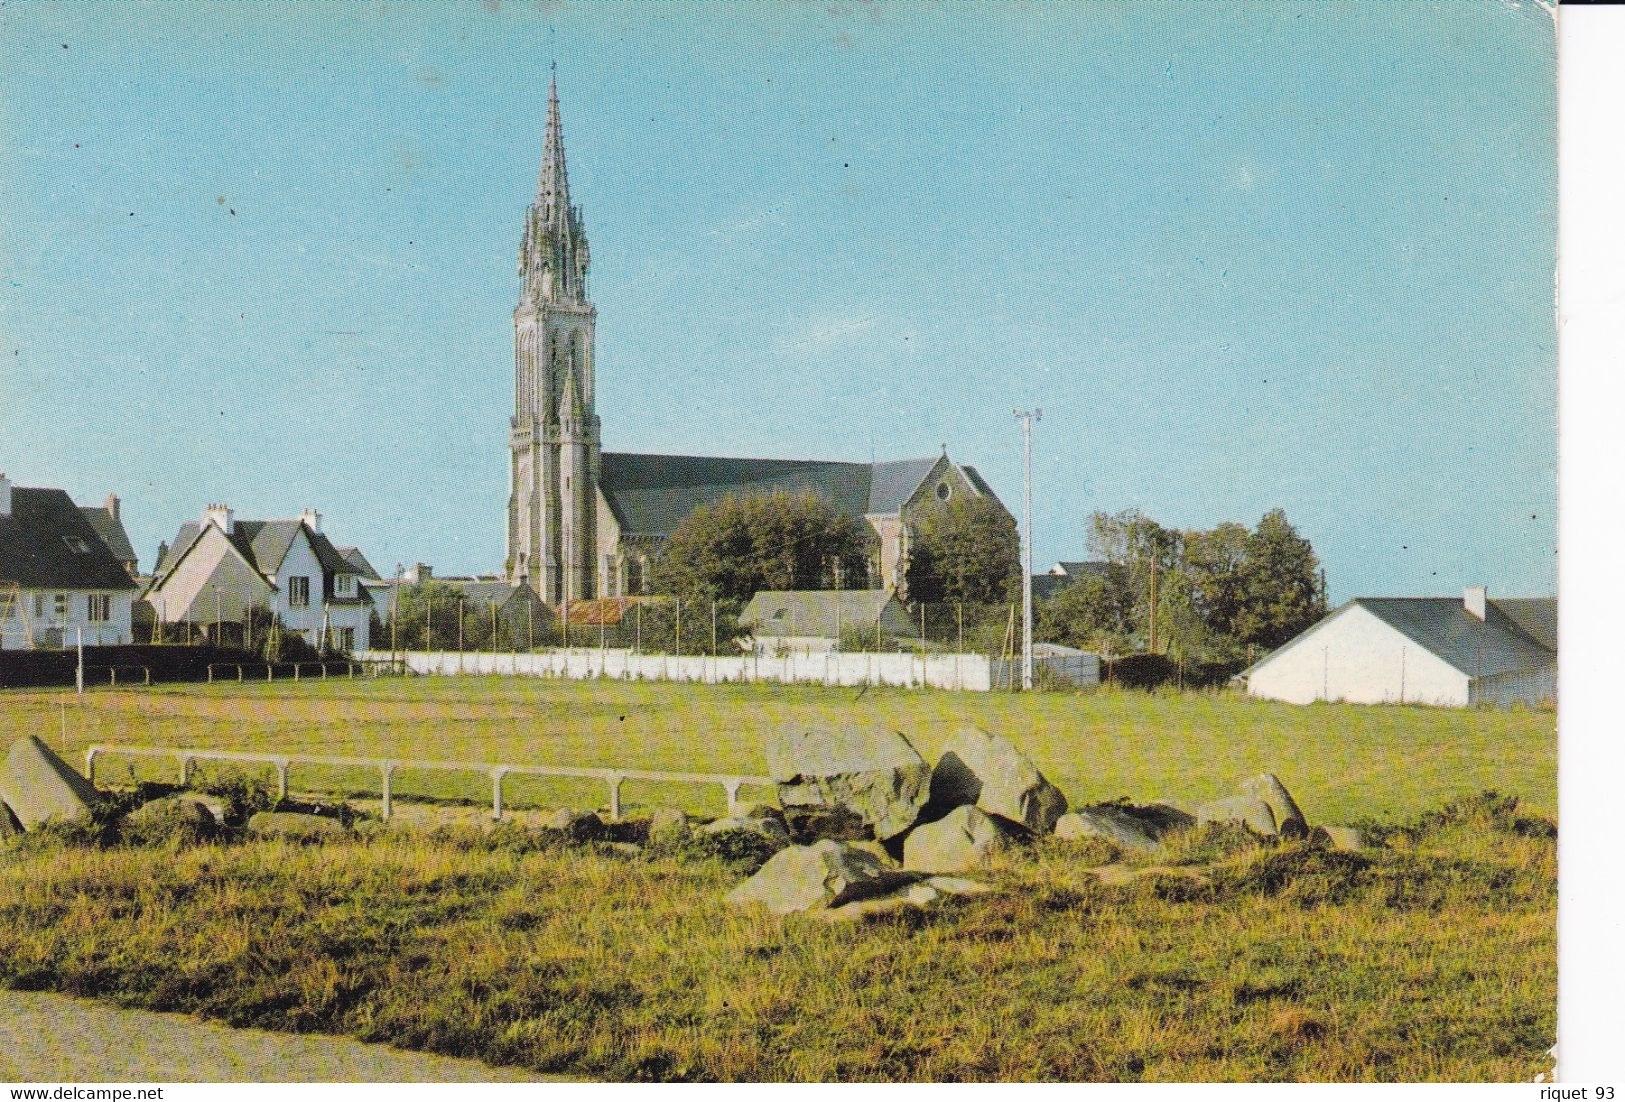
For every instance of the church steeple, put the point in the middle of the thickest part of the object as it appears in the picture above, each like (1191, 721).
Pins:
(554, 433)
(553, 258)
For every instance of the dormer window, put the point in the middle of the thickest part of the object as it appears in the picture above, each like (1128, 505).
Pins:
(344, 585)
(76, 545)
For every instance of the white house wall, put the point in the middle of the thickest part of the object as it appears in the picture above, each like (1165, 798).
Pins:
(1358, 658)
(71, 628)
(190, 592)
(301, 561)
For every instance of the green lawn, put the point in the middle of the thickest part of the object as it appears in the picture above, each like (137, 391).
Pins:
(1341, 761)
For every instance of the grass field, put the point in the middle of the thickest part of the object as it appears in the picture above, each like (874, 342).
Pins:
(1431, 957)
(1341, 761)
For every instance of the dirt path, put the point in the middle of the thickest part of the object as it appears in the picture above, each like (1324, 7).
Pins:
(51, 1038)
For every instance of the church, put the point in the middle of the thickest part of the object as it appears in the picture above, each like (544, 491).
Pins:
(585, 523)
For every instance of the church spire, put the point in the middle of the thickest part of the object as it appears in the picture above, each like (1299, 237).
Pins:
(553, 257)
(553, 189)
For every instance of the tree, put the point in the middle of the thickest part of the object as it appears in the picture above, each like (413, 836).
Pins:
(965, 550)
(1282, 593)
(432, 605)
(729, 549)
(1094, 613)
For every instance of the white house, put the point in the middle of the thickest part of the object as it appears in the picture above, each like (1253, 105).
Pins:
(1446, 651)
(59, 583)
(221, 567)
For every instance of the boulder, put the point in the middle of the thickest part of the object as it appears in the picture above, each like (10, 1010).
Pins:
(1250, 811)
(580, 825)
(38, 786)
(1163, 816)
(873, 772)
(1112, 823)
(178, 812)
(295, 825)
(821, 876)
(9, 826)
(921, 893)
(771, 829)
(1289, 821)
(666, 825)
(1338, 837)
(964, 839)
(987, 771)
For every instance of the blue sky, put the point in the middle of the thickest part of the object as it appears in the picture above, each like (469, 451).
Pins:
(1243, 255)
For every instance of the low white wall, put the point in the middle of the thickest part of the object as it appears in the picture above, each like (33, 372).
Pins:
(970, 672)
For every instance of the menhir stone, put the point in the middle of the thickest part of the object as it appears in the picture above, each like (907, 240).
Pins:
(1289, 821)
(875, 773)
(987, 771)
(40, 787)
(817, 877)
(964, 839)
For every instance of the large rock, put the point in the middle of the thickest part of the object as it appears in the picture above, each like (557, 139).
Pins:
(1249, 811)
(9, 826)
(817, 877)
(874, 773)
(1121, 829)
(1338, 837)
(38, 786)
(921, 893)
(987, 771)
(295, 825)
(964, 839)
(176, 813)
(1289, 821)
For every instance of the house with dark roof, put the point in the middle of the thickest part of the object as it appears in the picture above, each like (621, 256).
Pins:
(1447, 651)
(221, 567)
(59, 582)
(643, 498)
(110, 527)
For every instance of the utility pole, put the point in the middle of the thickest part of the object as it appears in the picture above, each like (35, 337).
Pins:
(1027, 418)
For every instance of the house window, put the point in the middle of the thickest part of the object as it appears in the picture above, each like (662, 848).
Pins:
(344, 639)
(344, 585)
(611, 581)
(634, 575)
(39, 606)
(99, 608)
(61, 606)
(299, 592)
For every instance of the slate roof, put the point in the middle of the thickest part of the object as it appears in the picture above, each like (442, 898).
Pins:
(478, 593)
(111, 530)
(1536, 617)
(264, 543)
(356, 559)
(46, 542)
(1078, 568)
(822, 612)
(651, 494)
(1477, 648)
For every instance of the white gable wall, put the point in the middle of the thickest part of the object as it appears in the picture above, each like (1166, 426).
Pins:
(1357, 657)
(300, 562)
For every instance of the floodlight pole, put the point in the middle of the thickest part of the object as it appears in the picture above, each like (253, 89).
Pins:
(1027, 418)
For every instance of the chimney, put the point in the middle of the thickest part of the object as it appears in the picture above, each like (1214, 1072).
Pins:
(112, 506)
(418, 573)
(1474, 598)
(219, 515)
(312, 518)
(5, 495)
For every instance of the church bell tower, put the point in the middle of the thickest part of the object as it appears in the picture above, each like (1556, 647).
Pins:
(554, 436)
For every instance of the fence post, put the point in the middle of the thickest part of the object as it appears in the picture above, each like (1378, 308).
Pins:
(186, 769)
(268, 671)
(296, 672)
(615, 780)
(496, 792)
(239, 673)
(388, 771)
(281, 779)
(211, 673)
(90, 764)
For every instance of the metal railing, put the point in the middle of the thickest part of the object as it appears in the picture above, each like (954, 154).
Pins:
(271, 668)
(614, 778)
(143, 672)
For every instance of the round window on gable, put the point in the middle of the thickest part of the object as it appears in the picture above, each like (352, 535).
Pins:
(944, 491)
